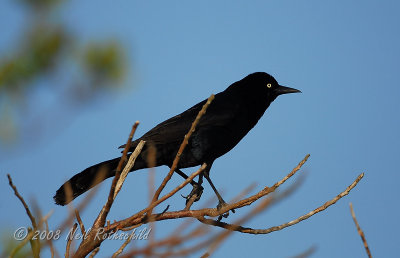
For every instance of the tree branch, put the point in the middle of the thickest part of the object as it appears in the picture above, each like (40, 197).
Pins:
(101, 219)
(287, 224)
(182, 147)
(360, 231)
(34, 225)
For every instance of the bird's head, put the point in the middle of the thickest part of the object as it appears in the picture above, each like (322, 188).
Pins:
(266, 84)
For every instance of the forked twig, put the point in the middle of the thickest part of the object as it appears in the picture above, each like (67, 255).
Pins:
(287, 224)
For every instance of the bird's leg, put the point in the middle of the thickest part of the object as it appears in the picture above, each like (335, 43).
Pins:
(182, 174)
(221, 202)
(197, 188)
(196, 192)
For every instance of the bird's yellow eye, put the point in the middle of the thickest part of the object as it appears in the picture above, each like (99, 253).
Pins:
(269, 85)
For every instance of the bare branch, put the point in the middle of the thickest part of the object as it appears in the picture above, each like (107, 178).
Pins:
(95, 251)
(121, 249)
(138, 218)
(22, 243)
(218, 239)
(360, 231)
(128, 167)
(34, 225)
(151, 163)
(288, 224)
(190, 202)
(100, 220)
(81, 226)
(50, 242)
(70, 238)
(29, 235)
(306, 253)
(182, 147)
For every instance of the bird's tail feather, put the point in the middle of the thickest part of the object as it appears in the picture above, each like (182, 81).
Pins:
(89, 178)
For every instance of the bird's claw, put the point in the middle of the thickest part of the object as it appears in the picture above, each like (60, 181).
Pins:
(196, 192)
(220, 205)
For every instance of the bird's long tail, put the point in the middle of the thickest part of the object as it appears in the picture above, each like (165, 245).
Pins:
(89, 178)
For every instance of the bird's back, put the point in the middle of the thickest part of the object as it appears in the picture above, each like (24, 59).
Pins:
(227, 120)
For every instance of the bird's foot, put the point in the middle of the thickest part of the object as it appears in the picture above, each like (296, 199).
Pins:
(220, 205)
(196, 193)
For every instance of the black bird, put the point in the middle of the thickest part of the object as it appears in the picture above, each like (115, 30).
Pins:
(232, 114)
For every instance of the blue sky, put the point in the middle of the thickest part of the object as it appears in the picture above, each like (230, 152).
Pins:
(344, 57)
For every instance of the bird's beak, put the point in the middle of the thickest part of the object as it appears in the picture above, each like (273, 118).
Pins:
(285, 90)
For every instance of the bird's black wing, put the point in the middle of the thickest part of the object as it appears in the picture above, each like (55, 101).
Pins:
(220, 112)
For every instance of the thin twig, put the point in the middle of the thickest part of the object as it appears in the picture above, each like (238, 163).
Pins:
(255, 197)
(182, 148)
(34, 225)
(50, 242)
(184, 225)
(288, 224)
(22, 243)
(35, 244)
(187, 223)
(257, 210)
(151, 163)
(100, 220)
(360, 231)
(306, 253)
(127, 241)
(95, 251)
(81, 226)
(190, 202)
(70, 238)
(128, 167)
(29, 235)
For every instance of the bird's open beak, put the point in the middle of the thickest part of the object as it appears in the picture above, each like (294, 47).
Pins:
(285, 90)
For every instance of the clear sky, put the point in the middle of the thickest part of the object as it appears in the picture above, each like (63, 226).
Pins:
(344, 57)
